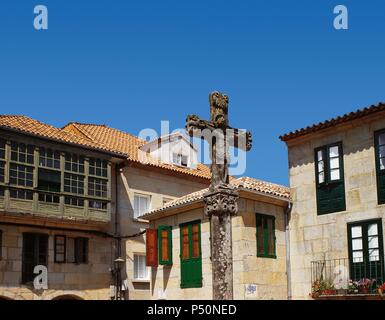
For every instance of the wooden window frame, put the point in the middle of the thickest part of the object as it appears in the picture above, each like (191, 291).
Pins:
(266, 237)
(97, 185)
(71, 159)
(44, 158)
(141, 195)
(1, 244)
(148, 273)
(27, 170)
(168, 229)
(3, 154)
(73, 182)
(64, 253)
(2, 171)
(326, 158)
(27, 154)
(198, 283)
(328, 183)
(94, 166)
(379, 171)
(364, 236)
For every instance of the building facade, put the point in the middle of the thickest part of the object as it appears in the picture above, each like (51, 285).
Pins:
(55, 211)
(68, 195)
(180, 251)
(337, 184)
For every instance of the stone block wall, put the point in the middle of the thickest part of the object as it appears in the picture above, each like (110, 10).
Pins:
(158, 186)
(84, 281)
(267, 274)
(317, 237)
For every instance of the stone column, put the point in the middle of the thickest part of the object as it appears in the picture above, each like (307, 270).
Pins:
(220, 206)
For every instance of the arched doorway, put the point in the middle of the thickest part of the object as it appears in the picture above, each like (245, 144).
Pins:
(2, 298)
(67, 297)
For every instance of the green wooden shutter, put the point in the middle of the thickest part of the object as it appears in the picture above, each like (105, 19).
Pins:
(191, 265)
(330, 193)
(165, 260)
(266, 241)
(380, 162)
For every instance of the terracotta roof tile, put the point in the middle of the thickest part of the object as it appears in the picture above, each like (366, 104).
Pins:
(334, 121)
(240, 183)
(36, 128)
(129, 144)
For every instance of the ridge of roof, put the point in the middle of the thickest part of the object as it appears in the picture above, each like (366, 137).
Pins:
(27, 125)
(359, 113)
(248, 183)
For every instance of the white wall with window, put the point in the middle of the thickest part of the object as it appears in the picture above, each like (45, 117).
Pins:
(142, 204)
(141, 271)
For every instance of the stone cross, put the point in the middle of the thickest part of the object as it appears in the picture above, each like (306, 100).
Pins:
(221, 199)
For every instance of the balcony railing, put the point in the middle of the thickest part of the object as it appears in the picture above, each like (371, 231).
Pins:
(343, 276)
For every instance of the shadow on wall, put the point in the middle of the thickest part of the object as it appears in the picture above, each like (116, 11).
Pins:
(358, 139)
(67, 297)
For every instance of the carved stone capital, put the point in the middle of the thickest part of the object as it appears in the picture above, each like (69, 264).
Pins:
(222, 200)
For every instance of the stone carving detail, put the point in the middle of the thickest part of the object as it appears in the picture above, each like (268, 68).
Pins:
(221, 199)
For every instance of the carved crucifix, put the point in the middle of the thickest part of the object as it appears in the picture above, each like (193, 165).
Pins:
(221, 200)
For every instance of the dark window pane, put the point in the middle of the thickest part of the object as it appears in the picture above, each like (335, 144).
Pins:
(49, 180)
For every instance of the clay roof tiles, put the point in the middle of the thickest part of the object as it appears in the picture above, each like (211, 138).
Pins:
(360, 113)
(240, 183)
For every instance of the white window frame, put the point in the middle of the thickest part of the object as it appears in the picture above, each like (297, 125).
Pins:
(137, 213)
(177, 159)
(136, 264)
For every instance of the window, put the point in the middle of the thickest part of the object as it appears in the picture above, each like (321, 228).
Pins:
(265, 236)
(73, 183)
(49, 198)
(49, 158)
(191, 258)
(366, 252)
(2, 172)
(71, 250)
(74, 163)
(81, 250)
(21, 194)
(1, 192)
(2, 149)
(379, 144)
(330, 183)
(141, 205)
(21, 175)
(179, 159)
(97, 167)
(1, 244)
(72, 201)
(97, 187)
(22, 153)
(60, 249)
(35, 252)
(99, 205)
(141, 272)
(165, 245)
(49, 180)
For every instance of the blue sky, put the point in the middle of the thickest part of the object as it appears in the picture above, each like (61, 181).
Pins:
(131, 64)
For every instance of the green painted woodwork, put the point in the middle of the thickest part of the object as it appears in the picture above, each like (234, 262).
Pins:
(330, 193)
(266, 240)
(191, 266)
(167, 261)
